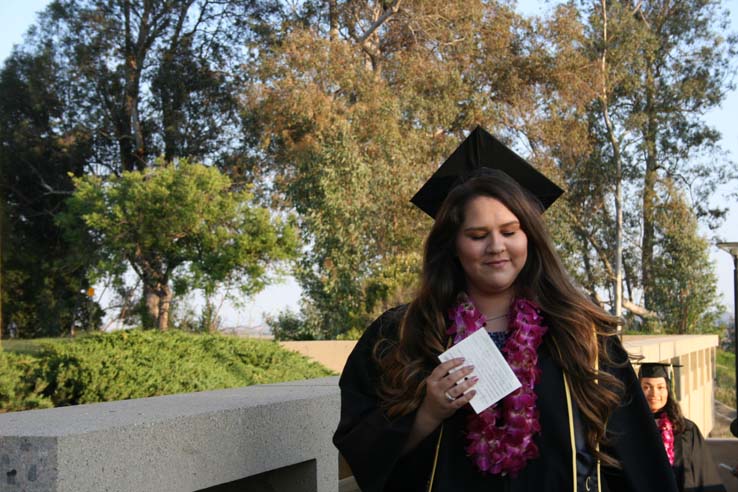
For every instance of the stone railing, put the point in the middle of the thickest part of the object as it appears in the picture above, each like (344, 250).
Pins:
(260, 438)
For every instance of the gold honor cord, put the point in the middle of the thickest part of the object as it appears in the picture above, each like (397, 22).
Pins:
(572, 438)
(597, 381)
(438, 443)
(435, 460)
(570, 411)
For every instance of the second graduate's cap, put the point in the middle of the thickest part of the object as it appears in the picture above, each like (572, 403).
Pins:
(656, 370)
(480, 149)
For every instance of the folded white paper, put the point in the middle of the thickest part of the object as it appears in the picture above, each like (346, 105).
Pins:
(496, 378)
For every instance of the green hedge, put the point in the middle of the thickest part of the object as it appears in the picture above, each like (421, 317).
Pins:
(137, 364)
(17, 383)
(725, 381)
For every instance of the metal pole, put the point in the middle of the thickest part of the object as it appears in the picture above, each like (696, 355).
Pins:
(735, 320)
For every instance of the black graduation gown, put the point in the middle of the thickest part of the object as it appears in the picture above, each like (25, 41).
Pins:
(372, 443)
(693, 465)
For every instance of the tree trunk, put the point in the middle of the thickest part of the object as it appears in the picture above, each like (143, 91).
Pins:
(134, 59)
(165, 299)
(649, 194)
(169, 109)
(332, 20)
(618, 285)
(123, 136)
(152, 305)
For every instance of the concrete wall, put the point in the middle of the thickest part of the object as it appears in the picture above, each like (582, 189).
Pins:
(331, 353)
(279, 435)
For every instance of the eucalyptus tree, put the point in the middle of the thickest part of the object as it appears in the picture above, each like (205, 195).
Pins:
(353, 104)
(687, 57)
(655, 69)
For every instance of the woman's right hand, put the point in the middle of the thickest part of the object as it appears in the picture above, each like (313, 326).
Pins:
(446, 391)
(437, 406)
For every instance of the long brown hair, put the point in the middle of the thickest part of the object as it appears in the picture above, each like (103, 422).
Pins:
(573, 320)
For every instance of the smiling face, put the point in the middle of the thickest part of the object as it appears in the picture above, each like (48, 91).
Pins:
(656, 391)
(491, 247)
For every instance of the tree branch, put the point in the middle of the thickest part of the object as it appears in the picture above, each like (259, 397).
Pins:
(639, 310)
(389, 12)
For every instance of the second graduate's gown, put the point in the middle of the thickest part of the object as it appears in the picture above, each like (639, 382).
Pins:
(372, 443)
(693, 466)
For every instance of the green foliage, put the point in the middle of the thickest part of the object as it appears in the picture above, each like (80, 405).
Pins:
(725, 382)
(352, 334)
(8, 381)
(289, 325)
(684, 283)
(30, 346)
(39, 149)
(138, 364)
(727, 337)
(180, 227)
(17, 391)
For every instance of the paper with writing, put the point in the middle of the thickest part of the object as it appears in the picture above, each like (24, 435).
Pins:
(496, 378)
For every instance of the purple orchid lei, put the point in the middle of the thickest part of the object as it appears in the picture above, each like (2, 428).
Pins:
(667, 435)
(500, 439)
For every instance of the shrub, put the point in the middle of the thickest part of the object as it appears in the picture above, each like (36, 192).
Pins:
(137, 364)
(17, 385)
(8, 381)
(289, 325)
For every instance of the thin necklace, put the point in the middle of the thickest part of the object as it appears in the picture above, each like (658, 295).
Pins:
(492, 318)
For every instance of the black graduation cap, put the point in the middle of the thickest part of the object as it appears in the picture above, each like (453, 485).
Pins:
(480, 149)
(656, 370)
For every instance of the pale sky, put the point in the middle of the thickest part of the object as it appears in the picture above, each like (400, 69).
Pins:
(18, 15)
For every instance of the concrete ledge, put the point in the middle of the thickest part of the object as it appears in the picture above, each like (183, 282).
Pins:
(664, 347)
(725, 451)
(184, 442)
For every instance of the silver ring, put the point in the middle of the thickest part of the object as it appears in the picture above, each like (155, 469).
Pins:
(449, 397)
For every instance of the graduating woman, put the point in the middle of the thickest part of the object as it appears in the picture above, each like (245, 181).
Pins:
(685, 447)
(579, 421)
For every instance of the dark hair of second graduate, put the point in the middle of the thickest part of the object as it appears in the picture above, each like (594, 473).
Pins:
(571, 316)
